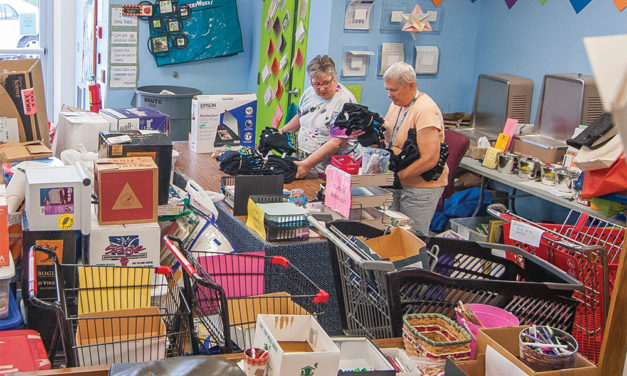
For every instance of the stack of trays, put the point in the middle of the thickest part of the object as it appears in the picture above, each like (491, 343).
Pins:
(281, 220)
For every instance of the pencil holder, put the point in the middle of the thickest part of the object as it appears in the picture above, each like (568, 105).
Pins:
(255, 363)
(558, 353)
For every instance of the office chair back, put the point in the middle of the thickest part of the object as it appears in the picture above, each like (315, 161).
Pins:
(457, 146)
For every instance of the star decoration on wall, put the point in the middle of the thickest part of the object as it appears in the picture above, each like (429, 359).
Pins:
(416, 22)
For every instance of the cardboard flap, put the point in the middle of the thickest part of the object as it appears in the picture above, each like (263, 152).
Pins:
(23, 151)
(36, 148)
(119, 325)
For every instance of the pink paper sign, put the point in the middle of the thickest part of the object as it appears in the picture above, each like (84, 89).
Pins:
(28, 100)
(509, 129)
(338, 191)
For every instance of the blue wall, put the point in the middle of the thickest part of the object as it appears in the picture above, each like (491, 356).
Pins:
(532, 39)
(231, 74)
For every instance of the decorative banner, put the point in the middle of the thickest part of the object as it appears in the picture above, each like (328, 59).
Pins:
(542, 2)
(510, 3)
(578, 5)
(438, 2)
(620, 4)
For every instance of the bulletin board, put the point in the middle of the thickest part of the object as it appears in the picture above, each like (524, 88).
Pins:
(282, 60)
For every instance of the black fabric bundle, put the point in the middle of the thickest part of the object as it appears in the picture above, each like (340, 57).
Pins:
(248, 161)
(357, 117)
(272, 139)
(409, 154)
(596, 134)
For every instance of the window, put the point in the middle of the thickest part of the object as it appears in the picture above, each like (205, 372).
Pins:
(19, 27)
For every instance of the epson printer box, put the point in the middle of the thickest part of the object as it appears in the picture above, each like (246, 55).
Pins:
(130, 119)
(223, 121)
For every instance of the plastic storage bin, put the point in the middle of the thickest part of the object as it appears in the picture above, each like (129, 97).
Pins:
(22, 351)
(6, 273)
(467, 227)
(14, 319)
(345, 163)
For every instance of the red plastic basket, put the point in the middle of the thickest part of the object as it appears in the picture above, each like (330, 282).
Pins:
(586, 267)
(345, 163)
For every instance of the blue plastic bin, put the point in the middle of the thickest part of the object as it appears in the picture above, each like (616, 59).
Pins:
(14, 320)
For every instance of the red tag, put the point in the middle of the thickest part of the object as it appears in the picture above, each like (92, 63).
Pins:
(28, 100)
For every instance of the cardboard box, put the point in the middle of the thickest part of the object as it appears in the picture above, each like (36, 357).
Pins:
(123, 245)
(23, 151)
(296, 345)
(57, 199)
(360, 352)
(120, 336)
(14, 223)
(527, 146)
(22, 97)
(505, 342)
(141, 144)
(136, 118)
(126, 190)
(223, 121)
(400, 246)
(243, 314)
(78, 128)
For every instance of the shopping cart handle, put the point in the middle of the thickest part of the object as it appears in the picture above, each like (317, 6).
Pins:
(32, 276)
(498, 211)
(169, 241)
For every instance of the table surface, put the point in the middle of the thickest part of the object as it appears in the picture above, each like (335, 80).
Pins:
(205, 170)
(538, 190)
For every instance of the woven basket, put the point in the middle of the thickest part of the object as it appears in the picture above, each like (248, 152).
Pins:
(435, 336)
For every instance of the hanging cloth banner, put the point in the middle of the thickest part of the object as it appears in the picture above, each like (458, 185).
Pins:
(190, 30)
(620, 4)
(542, 2)
(578, 5)
(437, 2)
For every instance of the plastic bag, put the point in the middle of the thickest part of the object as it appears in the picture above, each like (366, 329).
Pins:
(605, 181)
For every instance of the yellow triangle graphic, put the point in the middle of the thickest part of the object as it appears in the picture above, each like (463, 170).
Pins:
(127, 199)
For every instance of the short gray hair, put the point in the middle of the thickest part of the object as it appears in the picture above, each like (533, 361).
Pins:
(321, 65)
(401, 73)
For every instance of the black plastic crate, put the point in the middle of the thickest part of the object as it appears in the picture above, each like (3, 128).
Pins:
(372, 302)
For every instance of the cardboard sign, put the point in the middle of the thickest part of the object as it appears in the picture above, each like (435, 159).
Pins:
(338, 191)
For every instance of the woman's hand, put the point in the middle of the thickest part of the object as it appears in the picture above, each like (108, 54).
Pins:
(303, 169)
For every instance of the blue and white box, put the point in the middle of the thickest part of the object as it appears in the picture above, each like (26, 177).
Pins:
(134, 244)
(136, 118)
(224, 121)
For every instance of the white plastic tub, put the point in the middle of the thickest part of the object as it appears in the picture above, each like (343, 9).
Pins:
(6, 273)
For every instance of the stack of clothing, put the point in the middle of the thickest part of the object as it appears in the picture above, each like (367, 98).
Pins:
(249, 161)
(357, 117)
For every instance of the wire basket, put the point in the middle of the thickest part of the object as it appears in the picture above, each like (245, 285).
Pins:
(228, 291)
(374, 296)
(435, 336)
(112, 314)
(586, 247)
(283, 227)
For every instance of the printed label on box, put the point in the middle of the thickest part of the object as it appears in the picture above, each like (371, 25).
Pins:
(55, 201)
(28, 100)
(56, 245)
(124, 248)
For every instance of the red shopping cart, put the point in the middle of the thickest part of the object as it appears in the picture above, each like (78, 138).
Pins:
(227, 291)
(111, 315)
(586, 247)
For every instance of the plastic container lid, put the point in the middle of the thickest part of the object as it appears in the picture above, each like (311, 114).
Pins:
(22, 350)
(14, 320)
(7, 272)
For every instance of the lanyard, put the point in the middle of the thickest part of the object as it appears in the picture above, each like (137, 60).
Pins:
(397, 125)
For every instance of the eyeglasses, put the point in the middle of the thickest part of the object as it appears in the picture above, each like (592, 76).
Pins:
(318, 85)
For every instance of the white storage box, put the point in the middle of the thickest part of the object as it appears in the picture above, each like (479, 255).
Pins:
(6, 273)
(359, 353)
(123, 245)
(78, 128)
(297, 345)
(57, 199)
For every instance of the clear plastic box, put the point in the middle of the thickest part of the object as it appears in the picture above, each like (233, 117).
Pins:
(6, 273)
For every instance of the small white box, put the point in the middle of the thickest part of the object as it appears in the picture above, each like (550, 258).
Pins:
(123, 245)
(78, 128)
(57, 198)
(221, 121)
(294, 332)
